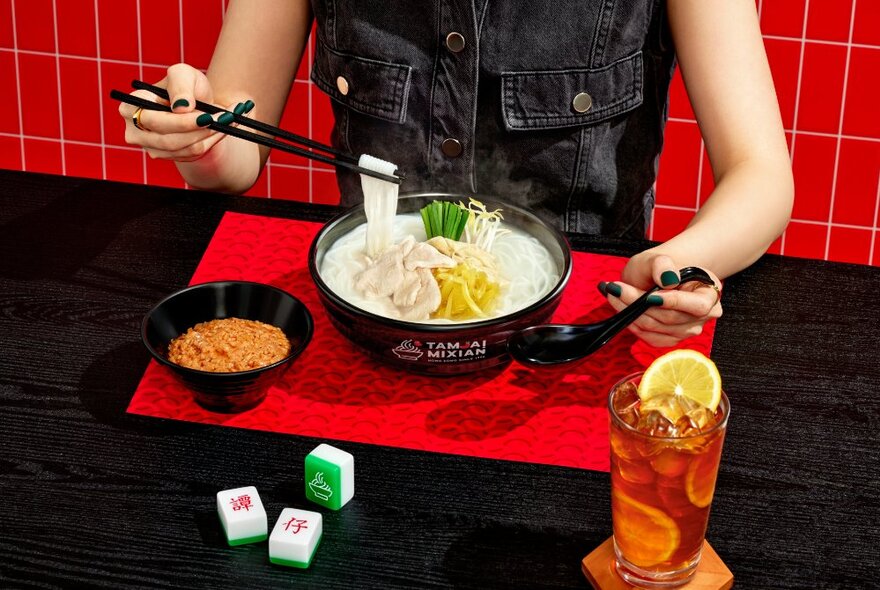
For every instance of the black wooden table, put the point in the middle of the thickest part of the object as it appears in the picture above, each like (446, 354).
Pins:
(92, 496)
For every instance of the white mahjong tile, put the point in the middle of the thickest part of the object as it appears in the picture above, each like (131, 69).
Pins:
(295, 538)
(242, 515)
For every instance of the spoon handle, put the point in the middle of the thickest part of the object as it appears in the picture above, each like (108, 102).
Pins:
(613, 325)
(629, 314)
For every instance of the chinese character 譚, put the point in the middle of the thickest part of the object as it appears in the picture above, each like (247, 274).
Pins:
(242, 502)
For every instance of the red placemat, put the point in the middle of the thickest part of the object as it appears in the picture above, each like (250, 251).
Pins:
(335, 391)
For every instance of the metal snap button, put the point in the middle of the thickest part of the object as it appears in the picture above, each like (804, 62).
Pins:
(455, 42)
(451, 148)
(582, 102)
(342, 86)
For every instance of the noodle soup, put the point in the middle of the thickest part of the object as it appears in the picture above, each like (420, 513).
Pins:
(533, 262)
(526, 266)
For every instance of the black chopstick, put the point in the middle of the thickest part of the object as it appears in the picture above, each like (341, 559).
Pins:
(248, 122)
(259, 139)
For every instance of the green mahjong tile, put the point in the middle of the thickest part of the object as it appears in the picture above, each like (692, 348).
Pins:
(323, 482)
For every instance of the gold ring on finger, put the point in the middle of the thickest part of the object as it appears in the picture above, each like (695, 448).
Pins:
(717, 294)
(136, 119)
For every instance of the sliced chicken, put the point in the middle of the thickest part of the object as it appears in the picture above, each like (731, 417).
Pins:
(426, 256)
(385, 275)
(405, 295)
(427, 300)
(403, 273)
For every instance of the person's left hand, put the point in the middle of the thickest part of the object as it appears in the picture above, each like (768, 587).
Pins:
(678, 313)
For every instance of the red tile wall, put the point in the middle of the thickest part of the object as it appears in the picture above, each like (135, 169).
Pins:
(59, 58)
(825, 58)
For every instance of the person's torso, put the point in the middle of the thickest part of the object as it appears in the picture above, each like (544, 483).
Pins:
(555, 106)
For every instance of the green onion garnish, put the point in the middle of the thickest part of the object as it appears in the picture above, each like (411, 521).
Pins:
(442, 218)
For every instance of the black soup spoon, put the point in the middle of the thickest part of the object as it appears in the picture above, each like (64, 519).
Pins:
(555, 344)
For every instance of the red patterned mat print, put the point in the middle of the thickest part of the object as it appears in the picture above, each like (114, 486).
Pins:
(334, 391)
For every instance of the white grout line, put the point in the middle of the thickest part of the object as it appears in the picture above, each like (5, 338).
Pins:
(823, 41)
(180, 25)
(182, 37)
(311, 117)
(58, 88)
(852, 23)
(874, 233)
(841, 136)
(798, 221)
(58, 140)
(18, 85)
(130, 148)
(137, 9)
(700, 173)
(765, 36)
(797, 99)
(801, 132)
(676, 208)
(100, 92)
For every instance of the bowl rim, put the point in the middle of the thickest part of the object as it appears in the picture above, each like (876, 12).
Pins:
(556, 291)
(294, 352)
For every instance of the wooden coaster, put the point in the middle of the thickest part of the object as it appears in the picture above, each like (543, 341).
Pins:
(598, 567)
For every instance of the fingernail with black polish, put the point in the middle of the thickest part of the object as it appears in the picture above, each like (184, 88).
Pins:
(668, 278)
(180, 102)
(225, 118)
(601, 287)
(204, 120)
(248, 105)
(614, 289)
(655, 300)
(239, 108)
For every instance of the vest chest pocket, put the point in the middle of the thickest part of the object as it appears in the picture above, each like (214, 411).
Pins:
(369, 86)
(557, 99)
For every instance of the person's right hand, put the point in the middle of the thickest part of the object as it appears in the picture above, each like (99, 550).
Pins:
(180, 135)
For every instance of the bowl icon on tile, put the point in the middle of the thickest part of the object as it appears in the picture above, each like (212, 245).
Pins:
(320, 488)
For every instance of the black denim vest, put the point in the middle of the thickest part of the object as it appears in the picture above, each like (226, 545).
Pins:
(401, 87)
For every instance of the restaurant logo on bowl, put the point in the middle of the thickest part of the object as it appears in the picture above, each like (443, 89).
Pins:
(414, 350)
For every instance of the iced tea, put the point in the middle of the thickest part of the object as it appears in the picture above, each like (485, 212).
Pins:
(665, 454)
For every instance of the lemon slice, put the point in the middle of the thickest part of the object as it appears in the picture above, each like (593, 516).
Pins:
(700, 480)
(646, 535)
(683, 372)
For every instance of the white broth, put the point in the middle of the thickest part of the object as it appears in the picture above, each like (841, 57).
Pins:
(525, 265)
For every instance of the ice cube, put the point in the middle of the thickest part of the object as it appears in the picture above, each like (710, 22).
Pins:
(702, 417)
(655, 423)
(626, 403)
(623, 446)
(669, 463)
(668, 405)
(687, 426)
(635, 471)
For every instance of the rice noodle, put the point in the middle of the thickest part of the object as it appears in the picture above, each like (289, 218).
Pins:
(380, 204)
(524, 263)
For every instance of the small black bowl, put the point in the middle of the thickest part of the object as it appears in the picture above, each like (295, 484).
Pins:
(227, 392)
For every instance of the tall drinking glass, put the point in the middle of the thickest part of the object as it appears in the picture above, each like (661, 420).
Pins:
(663, 470)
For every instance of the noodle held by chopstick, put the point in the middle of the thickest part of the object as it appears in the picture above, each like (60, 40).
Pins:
(380, 205)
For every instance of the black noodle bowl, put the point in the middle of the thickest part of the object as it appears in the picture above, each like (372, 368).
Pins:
(438, 349)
